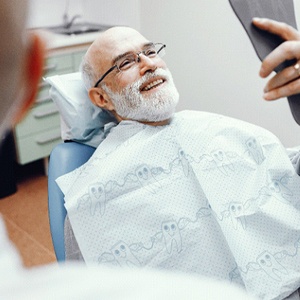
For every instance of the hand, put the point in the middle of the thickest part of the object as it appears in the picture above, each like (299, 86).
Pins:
(286, 82)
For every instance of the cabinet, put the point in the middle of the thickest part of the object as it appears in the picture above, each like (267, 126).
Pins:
(39, 131)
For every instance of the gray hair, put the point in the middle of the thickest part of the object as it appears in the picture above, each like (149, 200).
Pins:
(88, 73)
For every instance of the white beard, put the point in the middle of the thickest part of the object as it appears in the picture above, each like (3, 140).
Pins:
(158, 106)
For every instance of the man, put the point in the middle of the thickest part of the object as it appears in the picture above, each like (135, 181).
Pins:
(164, 190)
(21, 64)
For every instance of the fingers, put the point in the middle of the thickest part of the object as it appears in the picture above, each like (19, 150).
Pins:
(286, 82)
(283, 30)
(282, 78)
(286, 51)
(291, 88)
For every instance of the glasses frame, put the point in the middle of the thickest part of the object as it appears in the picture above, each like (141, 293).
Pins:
(137, 60)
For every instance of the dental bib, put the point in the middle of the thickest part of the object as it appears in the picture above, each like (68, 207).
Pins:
(206, 195)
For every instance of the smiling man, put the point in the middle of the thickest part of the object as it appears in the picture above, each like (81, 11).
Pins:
(126, 75)
(163, 190)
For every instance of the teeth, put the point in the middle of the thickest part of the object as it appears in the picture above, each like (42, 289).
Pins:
(153, 84)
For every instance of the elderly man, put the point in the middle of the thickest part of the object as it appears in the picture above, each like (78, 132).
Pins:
(163, 190)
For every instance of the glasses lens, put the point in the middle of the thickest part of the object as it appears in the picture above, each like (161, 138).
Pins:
(150, 51)
(155, 49)
(129, 60)
(126, 62)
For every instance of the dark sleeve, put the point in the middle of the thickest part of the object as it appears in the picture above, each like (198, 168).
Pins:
(72, 250)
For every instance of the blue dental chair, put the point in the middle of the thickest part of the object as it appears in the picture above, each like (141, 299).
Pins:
(64, 158)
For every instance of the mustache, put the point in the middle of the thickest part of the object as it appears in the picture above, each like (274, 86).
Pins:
(159, 72)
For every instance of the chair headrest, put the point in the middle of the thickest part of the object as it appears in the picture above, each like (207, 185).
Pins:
(81, 120)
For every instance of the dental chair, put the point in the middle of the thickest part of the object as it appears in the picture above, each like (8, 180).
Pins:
(64, 158)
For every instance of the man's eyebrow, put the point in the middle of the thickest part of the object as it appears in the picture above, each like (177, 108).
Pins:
(129, 52)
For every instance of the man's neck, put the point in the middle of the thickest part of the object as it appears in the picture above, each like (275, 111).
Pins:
(159, 123)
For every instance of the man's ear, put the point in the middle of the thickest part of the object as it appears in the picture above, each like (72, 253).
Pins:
(101, 99)
(33, 70)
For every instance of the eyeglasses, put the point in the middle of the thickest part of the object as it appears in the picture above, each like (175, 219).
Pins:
(128, 60)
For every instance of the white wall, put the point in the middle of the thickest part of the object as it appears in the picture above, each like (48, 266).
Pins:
(48, 13)
(114, 12)
(213, 62)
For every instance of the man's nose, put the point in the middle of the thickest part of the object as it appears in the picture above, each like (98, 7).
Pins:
(147, 64)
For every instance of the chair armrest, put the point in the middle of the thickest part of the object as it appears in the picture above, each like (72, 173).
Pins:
(64, 158)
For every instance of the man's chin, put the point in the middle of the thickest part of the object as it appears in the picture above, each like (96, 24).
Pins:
(157, 117)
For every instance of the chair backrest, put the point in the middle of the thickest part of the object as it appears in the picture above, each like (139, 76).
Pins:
(64, 158)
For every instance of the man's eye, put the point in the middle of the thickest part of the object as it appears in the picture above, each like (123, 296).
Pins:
(125, 64)
(150, 52)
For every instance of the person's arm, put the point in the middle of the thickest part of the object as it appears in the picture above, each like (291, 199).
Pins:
(286, 82)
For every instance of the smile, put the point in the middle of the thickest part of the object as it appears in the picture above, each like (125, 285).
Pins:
(153, 84)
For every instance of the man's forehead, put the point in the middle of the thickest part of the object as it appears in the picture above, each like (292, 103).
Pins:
(116, 34)
(114, 42)
(123, 39)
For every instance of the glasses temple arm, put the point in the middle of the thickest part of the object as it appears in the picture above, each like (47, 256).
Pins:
(105, 74)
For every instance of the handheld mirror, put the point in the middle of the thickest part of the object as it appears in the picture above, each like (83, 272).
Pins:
(262, 41)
